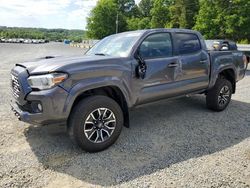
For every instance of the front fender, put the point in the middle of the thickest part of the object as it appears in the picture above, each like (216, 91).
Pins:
(94, 83)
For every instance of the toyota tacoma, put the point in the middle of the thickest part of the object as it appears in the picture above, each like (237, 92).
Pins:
(94, 93)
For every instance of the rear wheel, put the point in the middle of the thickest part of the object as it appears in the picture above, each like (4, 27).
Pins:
(95, 123)
(220, 95)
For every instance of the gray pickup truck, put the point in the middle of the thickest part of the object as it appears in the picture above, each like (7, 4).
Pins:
(93, 93)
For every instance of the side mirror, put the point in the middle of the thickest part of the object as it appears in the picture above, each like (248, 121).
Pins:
(142, 67)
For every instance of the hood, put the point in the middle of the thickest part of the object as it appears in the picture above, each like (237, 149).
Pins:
(59, 63)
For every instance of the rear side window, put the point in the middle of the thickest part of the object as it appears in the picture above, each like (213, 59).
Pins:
(188, 43)
(157, 45)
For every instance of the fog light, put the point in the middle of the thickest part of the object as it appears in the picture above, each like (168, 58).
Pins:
(36, 107)
(39, 107)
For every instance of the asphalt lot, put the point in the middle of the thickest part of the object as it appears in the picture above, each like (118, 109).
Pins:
(172, 143)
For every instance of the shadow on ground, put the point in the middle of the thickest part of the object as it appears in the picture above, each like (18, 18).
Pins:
(161, 134)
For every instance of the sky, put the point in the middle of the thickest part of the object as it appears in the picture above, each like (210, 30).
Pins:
(67, 14)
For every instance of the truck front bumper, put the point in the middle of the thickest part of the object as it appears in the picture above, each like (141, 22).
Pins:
(36, 118)
(52, 102)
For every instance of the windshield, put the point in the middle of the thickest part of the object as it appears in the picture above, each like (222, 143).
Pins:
(119, 45)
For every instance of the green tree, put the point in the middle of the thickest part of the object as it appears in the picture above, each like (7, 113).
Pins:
(145, 7)
(125, 6)
(183, 13)
(160, 13)
(138, 23)
(236, 18)
(207, 22)
(102, 21)
(145, 23)
(132, 23)
(141, 18)
(40, 33)
(224, 19)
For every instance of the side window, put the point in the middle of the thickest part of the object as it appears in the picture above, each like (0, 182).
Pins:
(187, 43)
(156, 46)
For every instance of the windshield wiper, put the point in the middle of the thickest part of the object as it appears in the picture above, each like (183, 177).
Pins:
(102, 54)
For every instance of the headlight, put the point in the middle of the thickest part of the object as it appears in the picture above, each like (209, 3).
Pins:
(46, 81)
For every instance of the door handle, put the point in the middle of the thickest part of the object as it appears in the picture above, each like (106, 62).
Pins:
(171, 65)
(203, 61)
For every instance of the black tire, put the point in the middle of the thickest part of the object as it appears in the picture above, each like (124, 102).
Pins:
(78, 118)
(213, 98)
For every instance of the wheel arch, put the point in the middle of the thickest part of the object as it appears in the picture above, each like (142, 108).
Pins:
(227, 72)
(111, 91)
(230, 75)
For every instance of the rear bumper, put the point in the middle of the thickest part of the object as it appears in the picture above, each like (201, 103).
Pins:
(52, 102)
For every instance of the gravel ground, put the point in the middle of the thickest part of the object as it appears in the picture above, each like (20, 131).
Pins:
(174, 143)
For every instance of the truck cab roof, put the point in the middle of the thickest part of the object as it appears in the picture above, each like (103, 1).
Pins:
(172, 30)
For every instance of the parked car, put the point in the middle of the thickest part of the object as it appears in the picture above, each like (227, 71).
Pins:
(41, 41)
(93, 93)
(34, 41)
(28, 41)
(20, 40)
(221, 45)
(66, 41)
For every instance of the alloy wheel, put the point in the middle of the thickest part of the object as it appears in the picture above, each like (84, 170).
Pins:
(224, 96)
(99, 125)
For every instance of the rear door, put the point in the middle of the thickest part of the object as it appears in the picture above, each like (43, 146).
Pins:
(194, 62)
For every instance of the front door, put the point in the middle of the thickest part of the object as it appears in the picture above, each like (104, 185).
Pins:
(162, 68)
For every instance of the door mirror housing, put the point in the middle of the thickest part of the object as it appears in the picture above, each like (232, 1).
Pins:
(142, 67)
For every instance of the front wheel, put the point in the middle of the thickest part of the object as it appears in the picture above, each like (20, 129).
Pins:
(220, 95)
(95, 123)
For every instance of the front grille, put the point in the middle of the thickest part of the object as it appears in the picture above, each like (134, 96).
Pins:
(15, 86)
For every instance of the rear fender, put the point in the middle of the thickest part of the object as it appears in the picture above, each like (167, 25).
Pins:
(221, 61)
(215, 74)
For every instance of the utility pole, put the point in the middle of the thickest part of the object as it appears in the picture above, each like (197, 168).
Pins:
(117, 21)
